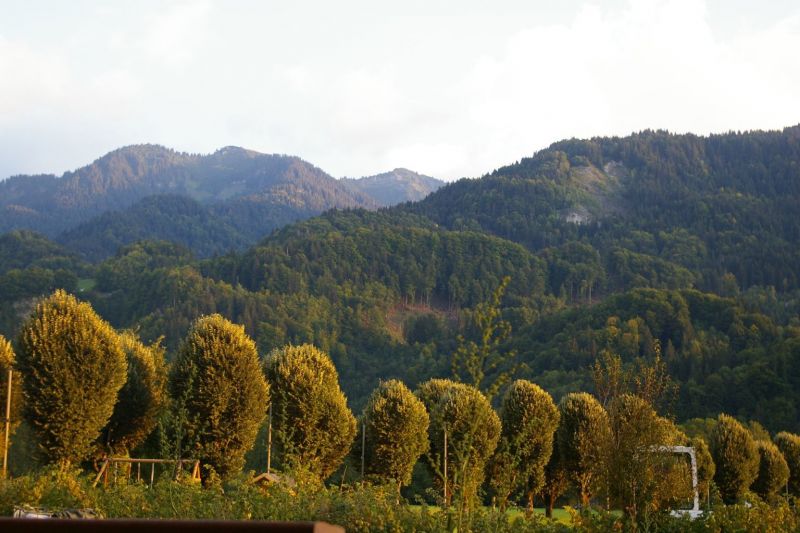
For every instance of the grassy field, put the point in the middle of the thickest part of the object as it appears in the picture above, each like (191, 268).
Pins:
(85, 284)
(560, 515)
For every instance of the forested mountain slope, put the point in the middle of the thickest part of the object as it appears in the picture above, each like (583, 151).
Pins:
(682, 245)
(230, 175)
(395, 187)
(718, 205)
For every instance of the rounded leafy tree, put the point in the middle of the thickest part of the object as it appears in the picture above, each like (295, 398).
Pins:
(396, 432)
(789, 445)
(736, 457)
(529, 420)
(217, 381)
(73, 367)
(773, 472)
(141, 399)
(314, 427)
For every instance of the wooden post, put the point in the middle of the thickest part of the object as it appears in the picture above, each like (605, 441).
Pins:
(269, 440)
(138, 471)
(152, 473)
(8, 424)
(100, 473)
(445, 466)
(363, 447)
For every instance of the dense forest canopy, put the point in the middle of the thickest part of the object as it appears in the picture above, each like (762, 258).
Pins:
(683, 245)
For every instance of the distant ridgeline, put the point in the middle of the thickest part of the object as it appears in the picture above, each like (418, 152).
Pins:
(212, 204)
(681, 245)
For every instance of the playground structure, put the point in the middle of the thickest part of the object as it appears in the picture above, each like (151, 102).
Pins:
(114, 462)
(695, 511)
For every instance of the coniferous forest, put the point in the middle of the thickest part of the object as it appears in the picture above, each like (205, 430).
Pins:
(645, 287)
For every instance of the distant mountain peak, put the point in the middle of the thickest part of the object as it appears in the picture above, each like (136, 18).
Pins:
(396, 186)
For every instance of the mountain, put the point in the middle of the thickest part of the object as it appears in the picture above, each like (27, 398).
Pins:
(167, 217)
(395, 187)
(654, 244)
(265, 190)
(715, 208)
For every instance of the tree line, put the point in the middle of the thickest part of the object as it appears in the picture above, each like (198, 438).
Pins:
(88, 390)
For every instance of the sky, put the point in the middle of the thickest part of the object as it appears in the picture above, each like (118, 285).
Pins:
(449, 89)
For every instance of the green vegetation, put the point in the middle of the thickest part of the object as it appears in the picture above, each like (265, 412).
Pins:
(657, 272)
(789, 445)
(141, 399)
(217, 381)
(529, 419)
(72, 366)
(396, 435)
(315, 428)
(773, 472)
(736, 458)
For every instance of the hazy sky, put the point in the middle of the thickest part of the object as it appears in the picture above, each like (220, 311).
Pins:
(450, 89)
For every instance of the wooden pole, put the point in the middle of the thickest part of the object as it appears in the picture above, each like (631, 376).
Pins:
(269, 440)
(445, 466)
(8, 424)
(152, 473)
(363, 447)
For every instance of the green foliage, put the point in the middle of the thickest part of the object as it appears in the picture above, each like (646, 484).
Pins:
(396, 433)
(642, 477)
(217, 379)
(529, 420)
(773, 471)
(314, 426)
(736, 458)
(473, 430)
(582, 440)
(73, 366)
(705, 465)
(789, 445)
(141, 399)
(475, 362)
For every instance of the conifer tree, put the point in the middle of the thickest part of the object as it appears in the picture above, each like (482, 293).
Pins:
(73, 367)
(141, 399)
(313, 425)
(396, 432)
(218, 378)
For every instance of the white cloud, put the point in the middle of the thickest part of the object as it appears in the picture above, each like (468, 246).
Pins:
(450, 96)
